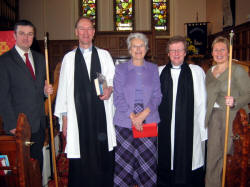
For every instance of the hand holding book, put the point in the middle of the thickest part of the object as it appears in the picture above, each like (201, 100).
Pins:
(106, 93)
(102, 89)
(100, 84)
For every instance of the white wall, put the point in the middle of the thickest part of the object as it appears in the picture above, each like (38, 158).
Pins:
(143, 15)
(58, 16)
(214, 16)
(186, 11)
(105, 15)
(54, 16)
(33, 11)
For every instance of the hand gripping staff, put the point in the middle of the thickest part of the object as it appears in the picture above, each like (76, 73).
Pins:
(227, 109)
(50, 114)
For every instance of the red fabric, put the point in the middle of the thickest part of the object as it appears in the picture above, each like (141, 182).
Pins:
(7, 41)
(29, 66)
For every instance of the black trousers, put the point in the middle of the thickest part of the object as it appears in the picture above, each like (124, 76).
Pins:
(36, 150)
(82, 175)
(197, 179)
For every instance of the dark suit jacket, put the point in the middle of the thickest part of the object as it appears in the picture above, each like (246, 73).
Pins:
(19, 92)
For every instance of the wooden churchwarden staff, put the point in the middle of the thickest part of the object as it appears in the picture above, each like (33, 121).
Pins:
(50, 114)
(228, 108)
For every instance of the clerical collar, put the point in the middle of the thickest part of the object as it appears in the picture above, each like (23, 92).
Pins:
(86, 50)
(176, 67)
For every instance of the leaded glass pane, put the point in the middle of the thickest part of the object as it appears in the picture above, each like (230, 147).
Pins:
(124, 15)
(89, 9)
(160, 15)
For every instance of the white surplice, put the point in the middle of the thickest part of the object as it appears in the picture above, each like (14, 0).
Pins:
(200, 131)
(65, 102)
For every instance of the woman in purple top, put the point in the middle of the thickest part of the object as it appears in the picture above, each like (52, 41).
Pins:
(137, 95)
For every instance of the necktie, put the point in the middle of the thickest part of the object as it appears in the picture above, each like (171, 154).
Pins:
(29, 66)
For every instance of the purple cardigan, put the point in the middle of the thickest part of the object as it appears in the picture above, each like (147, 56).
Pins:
(124, 92)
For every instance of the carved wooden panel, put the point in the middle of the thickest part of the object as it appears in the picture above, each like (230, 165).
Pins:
(161, 57)
(8, 14)
(114, 42)
(241, 44)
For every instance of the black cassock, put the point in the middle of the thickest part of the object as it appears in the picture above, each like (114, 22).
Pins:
(183, 143)
(95, 167)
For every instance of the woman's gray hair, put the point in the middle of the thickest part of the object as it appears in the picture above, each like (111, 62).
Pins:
(138, 35)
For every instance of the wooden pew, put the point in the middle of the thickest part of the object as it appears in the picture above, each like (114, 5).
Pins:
(1, 126)
(238, 165)
(24, 171)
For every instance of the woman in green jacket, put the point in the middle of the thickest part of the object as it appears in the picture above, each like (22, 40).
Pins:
(217, 101)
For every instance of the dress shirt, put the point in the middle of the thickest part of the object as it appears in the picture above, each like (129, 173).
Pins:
(21, 53)
(87, 53)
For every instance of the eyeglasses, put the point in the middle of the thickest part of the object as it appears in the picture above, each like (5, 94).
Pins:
(219, 50)
(29, 34)
(176, 50)
(86, 29)
(138, 46)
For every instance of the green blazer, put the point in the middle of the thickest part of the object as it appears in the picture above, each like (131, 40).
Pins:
(217, 90)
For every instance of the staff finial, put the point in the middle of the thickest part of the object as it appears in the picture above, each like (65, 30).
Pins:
(231, 34)
(45, 40)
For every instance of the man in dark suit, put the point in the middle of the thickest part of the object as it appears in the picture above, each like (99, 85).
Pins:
(23, 87)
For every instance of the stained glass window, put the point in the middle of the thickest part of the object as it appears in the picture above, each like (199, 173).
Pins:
(123, 15)
(160, 15)
(88, 9)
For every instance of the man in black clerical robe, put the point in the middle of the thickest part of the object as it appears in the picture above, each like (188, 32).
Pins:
(182, 131)
(86, 118)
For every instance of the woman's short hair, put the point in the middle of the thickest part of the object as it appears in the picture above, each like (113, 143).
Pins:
(177, 39)
(137, 35)
(221, 39)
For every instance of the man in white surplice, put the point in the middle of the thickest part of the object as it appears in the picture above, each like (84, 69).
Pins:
(83, 159)
(182, 131)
